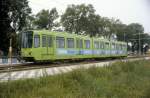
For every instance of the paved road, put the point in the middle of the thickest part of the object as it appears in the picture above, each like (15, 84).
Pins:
(35, 73)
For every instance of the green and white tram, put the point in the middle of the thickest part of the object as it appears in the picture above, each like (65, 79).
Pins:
(44, 45)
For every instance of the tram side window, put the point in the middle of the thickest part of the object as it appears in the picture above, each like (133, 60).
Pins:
(87, 44)
(124, 47)
(36, 41)
(120, 47)
(44, 41)
(106, 45)
(113, 46)
(117, 46)
(79, 43)
(60, 42)
(96, 45)
(70, 43)
(27, 39)
(101, 45)
(50, 41)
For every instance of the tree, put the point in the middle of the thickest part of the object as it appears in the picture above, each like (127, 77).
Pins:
(13, 15)
(94, 26)
(53, 15)
(132, 35)
(30, 22)
(81, 19)
(106, 27)
(133, 30)
(42, 19)
(110, 27)
(5, 25)
(45, 19)
(18, 13)
(122, 32)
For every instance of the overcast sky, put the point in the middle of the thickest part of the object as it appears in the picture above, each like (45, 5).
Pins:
(128, 11)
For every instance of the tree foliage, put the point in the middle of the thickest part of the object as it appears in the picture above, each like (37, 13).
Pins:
(4, 24)
(13, 15)
(30, 22)
(45, 19)
(53, 15)
(18, 13)
(42, 19)
(81, 19)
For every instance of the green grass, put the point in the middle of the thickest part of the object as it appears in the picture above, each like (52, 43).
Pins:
(121, 80)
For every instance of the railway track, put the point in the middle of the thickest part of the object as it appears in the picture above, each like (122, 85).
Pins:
(31, 65)
(20, 67)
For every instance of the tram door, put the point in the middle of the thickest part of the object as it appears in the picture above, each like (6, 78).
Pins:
(50, 49)
(44, 46)
(80, 46)
(47, 49)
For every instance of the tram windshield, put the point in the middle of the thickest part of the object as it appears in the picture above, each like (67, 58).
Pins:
(27, 38)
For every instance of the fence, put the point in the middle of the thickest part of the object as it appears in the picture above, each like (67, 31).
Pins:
(7, 60)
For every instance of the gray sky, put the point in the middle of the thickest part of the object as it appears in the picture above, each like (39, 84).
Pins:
(128, 11)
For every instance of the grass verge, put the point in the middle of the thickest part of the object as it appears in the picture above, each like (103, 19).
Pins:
(120, 80)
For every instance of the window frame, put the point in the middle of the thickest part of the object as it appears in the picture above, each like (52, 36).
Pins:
(27, 39)
(96, 44)
(124, 47)
(86, 44)
(107, 44)
(34, 40)
(45, 43)
(102, 45)
(58, 40)
(120, 46)
(79, 43)
(49, 38)
(68, 45)
(113, 46)
(117, 46)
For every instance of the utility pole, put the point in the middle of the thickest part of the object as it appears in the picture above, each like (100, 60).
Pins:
(10, 51)
(10, 63)
(139, 44)
(10, 58)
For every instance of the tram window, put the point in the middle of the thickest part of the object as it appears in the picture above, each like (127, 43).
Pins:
(70, 43)
(36, 41)
(120, 47)
(60, 42)
(117, 46)
(79, 43)
(124, 47)
(113, 46)
(87, 44)
(106, 45)
(44, 41)
(50, 41)
(27, 39)
(101, 45)
(96, 45)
